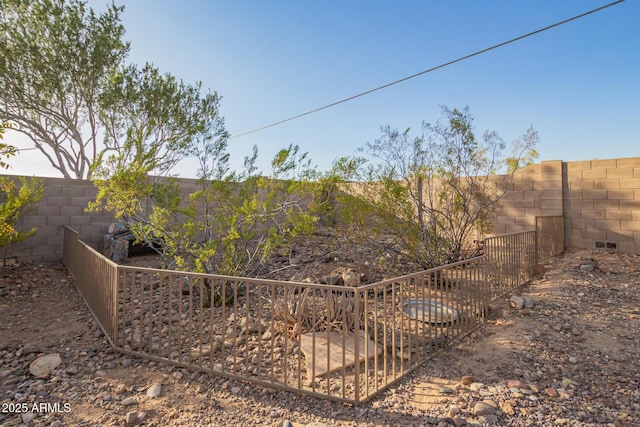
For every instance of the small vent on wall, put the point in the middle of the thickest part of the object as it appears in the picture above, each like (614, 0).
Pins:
(601, 244)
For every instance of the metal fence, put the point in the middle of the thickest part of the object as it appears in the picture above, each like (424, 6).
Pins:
(550, 236)
(96, 278)
(510, 261)
(336, 342)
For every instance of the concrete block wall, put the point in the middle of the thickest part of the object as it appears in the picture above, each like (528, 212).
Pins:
(534, 191)
(602, 204)
(600, 201)
(64, 203)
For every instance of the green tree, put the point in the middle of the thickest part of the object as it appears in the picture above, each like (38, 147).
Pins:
(423, 198)
(55, 58)
(15, 200)
(233, 222)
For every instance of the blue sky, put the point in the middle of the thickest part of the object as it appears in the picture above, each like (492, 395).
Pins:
(578, 85)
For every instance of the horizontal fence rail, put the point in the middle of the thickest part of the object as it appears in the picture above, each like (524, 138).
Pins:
(336, 342)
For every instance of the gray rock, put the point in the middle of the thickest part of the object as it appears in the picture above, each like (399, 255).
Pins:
(517, 302)
(529, 302)
(489, 420)
(155, 390)
(484, 408)
(128, 401)
(459, 421)
(32, 348)
(28, 417)
(131, 418)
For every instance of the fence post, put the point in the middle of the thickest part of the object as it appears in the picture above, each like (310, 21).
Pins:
(356, 344)
(537, 240)
(115, 276)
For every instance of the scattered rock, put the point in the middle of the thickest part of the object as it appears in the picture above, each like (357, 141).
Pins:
(120, 389)
(507, 408)
(32, 348)
(28, 417)
(517, 384)
(551, 392)
(155, 390)
(476, 386)
(576, 346)
(486, 407)
(529, 303)
(128, 401)
(331, 280)
(467, 380)
(131, 418)
(517, 302)
(44, 365)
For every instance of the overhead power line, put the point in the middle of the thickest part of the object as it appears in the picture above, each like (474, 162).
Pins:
(261, 40)
(342, 101)
(264, 50)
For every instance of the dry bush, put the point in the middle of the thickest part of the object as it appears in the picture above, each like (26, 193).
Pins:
(318, 310)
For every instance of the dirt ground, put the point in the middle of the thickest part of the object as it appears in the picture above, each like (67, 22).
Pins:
(571, 356)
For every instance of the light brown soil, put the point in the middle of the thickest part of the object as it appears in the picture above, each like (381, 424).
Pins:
(572, 359)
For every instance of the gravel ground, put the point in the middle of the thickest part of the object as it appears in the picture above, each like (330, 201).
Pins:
(564, 350)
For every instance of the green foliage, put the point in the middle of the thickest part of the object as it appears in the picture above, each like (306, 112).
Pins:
(523, 152)
(15, 200)
(425, 197)
(233, 222)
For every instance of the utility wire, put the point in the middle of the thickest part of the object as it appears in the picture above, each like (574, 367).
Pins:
(369, 36)
(333, 104)
(263, 39)
(254, 57)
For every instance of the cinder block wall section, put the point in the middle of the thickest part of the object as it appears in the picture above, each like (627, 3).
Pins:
(600, 201)
(533, 191)
(602, 204)
(64, 203)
